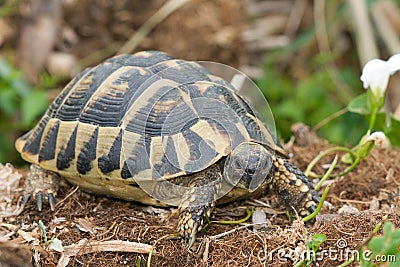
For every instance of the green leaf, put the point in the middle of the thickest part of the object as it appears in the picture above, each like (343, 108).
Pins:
(393, 132)
(359, 105)
(388, 244)
(33, 105)
(319, 238)
(316, 242)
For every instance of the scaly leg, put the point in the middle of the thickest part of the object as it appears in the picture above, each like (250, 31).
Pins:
(294, 188)
(198, 202)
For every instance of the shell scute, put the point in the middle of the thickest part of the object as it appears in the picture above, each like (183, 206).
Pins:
(146, 115)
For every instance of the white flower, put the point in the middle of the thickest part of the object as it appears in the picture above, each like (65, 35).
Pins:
(379, 139)
(376, 73)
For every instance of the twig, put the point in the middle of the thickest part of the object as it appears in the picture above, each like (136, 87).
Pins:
(84, 247)
(323, 45)
(366, 44)
(295, 17)
(384, 28)
(167, 9)
(154, 246)
(351, 200)
(234, 230)
(329, 118)
(65, 198)
(206, 250)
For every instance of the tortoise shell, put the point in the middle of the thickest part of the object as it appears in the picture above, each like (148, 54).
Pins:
(146, 115)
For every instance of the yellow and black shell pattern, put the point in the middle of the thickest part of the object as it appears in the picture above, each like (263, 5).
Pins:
(141, 115)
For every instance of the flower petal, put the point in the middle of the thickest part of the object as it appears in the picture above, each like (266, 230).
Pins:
(375, 75)
(394, 63)
(379, 139)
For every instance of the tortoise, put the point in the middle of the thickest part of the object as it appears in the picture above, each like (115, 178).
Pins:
(141, 127)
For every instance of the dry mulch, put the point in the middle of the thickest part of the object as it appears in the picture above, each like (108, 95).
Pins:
(367, 195)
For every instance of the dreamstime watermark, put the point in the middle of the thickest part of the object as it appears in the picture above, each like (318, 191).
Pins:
(340, 252)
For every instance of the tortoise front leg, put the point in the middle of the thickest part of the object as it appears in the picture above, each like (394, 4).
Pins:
(41, 184)
(198, 202)
(294, 188)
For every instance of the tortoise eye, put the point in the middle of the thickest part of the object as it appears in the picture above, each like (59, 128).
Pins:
(251, 171)
(237, 164)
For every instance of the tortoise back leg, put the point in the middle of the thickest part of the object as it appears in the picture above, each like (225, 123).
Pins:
(294, 188)
(41, 184)
(198, 202)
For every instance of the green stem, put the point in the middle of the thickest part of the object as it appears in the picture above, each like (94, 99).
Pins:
(300, 263)
(154, 246)
(349, 169)
(250, 212)
(372, 120)
(327, 174)
(331, 150)
(321, 203)
(205, 229)
(377, 228)
(347, 263)
(44, 234)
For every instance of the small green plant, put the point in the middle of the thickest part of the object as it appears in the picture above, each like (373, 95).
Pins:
(44, 233)
(312, 250)
(375, 76)
(54, 243)
(384, 250)
(380, 250)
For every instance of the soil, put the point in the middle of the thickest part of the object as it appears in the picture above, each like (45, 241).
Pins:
(355, 205)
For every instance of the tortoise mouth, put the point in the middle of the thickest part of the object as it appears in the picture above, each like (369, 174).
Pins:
(247, 182)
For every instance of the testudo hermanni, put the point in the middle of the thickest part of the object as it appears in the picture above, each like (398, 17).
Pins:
(143, 127)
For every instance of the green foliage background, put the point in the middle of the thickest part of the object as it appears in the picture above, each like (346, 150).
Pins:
(310, 101)
(21, 105)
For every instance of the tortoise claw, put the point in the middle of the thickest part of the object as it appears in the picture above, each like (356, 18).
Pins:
(192, 236)
(42, 185)
(312, 209)
(39, 200)
(26, 199)
(52, 201)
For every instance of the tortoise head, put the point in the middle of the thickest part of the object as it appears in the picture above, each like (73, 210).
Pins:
(248, 166)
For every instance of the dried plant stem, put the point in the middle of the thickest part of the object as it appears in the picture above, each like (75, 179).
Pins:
(154, 246)
(329, 118)
(366, 44)
(85, 247)
(167, 9)
(385, 29)
(345, 92)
